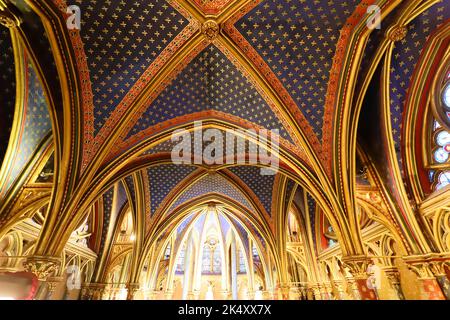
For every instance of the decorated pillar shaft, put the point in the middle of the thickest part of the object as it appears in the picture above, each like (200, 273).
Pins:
(394, 279)
(431, 275)
(358, 268)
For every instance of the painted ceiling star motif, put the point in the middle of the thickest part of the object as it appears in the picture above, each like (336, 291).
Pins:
(120, 47)
(207, 83)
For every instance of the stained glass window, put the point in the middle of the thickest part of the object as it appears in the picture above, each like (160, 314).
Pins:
(439, 172)
(241, 262)
(206, 260)
(446, 96)
(217, 263)
(255, 251)
(441, 152)
(443, 179)
(180, 262)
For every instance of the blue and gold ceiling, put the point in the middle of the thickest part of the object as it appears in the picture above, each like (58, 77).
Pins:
(268, 67)
(34, 121)
(163, 179)
(209, 82)
(121, 40)
(405, 56)
(7, 88)
(297, 40)
(212, 184)
(261, 185)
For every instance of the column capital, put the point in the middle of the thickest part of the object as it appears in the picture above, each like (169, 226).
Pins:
(430, 270)
(42, 266)
(392, 274)
(358, 266)
(93, 291)
(132, 288)
(429, 265)
(315, 289)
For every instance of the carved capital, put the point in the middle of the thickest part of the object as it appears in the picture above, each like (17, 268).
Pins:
(428, 266)
(210, 29)
(132, 289)
(93, 291)
(42, 267)
(316, 291)
(358, 266)
(392, 274)
(438, 267)
(422, 270)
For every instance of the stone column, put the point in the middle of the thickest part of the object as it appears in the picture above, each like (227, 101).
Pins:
(303, 292)
(42, 267)
(315, 290)
(132, 288)
(326, 291)
(52, 283)
(234, 287)
(358, 268)
(423, 268)
(339, 286)
(353, 288)
(394, 279)
(438, 269)
(285, 289)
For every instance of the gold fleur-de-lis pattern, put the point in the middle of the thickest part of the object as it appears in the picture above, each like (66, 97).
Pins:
(404, 59)
(163, 179)
(261, 185)
(297, 39)
(121, 40)
(211, 183)
(7, 88)
(36, 123)
(210, 82)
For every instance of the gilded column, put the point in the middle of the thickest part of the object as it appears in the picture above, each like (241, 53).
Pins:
(315, 290)
(285, 290)
(42, 268)
(339, 287)
(132, 288)
(423, 267)
(52, 284)
(358, 268)
(438, 269)
(394, 279)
